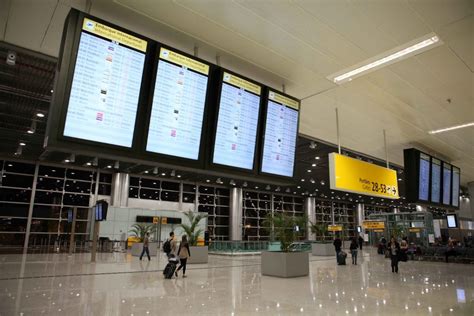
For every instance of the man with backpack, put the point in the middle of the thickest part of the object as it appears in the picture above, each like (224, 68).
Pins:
(169, 247)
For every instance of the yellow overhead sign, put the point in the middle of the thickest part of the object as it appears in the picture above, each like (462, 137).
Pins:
(414, 229)
(356, 176)
(114, 35)
(164, 220)
(185, 61)
(156, 220)
(373, 225)
(334, 228)
(274, 96)
(242, 83)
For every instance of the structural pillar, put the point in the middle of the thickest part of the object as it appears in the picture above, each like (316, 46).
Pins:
(235, 220)
(310, 211)
(360, 216)
(120, 187)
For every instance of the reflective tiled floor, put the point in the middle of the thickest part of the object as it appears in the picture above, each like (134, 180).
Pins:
(119, 284)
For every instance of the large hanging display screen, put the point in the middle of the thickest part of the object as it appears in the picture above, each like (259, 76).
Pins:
(446, 184)
(237, 122)
(281, 129)
(455, 189)
(106, 85)
(178, 105)
(435, 180)
(424, 177)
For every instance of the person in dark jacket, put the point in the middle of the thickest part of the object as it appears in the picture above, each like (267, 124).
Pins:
(394, 249)
(146, 242)
(337, 245)
(183, 253)
(353, 249)
(361, 241)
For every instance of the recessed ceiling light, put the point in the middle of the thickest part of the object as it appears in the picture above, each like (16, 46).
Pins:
(313, 165)
(208, 180)
(146, 171)
(302, 180)
(30, 131)
(22, 144)
(309, 170)
(179, 176)
(109, 166)
(317, 157)
(451, 128)
(66, 160)
(163, 174)
(398, 53)
(298, 187)
(39, 114)
(89, 163)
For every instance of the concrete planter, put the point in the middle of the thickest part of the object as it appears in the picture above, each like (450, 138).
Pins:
(285, 264)
(323, 249)
(199, 254)
(346, 244)
(137, 249)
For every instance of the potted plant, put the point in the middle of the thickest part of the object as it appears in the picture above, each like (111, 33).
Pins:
(321, 247)
(285, 263)
(138, 232)
(199, 253)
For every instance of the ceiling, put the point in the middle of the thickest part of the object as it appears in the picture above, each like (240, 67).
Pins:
(298, 44)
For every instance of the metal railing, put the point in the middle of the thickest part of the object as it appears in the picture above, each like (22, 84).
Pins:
(238, 246)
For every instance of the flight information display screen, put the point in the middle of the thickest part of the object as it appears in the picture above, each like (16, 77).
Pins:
(178, 106)
(424, 177)
(237, 122)
(456, 183)
(105, 89)
(281, 128)
(435, 180)
(446, 184)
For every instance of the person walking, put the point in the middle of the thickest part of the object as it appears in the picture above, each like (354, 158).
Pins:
(337, 245)
(361, 242)
(394, 249)
(146, 241)
(169, 247)
(183, 253)
(353, 247)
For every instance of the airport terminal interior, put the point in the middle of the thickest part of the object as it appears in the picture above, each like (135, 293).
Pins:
(236, 157)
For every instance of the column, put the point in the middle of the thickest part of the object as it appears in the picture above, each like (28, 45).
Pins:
(360, 216)
(120, 187)
(235, 214)
(310, 211)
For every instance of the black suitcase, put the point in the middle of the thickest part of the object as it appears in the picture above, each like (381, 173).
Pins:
(170, 268)
(341, 258)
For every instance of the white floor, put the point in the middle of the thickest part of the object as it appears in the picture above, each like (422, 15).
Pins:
(119, 284)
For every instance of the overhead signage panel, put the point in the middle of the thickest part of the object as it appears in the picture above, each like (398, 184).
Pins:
(435, 180)
(281, 129)
(373, 225)
(106, 83)
(356, 176)
(237, 123)
(179, 100)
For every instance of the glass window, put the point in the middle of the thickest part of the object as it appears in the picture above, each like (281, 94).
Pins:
(14, 210)
(170, 196)
(15, 195)
(51, 172)
(106, 177)
(78, 186)
(150, 194)
(12, 240)
(134, 181)
(105, 189)
(8, 224)
(76, 199)
(79, 175)
(189, 187)
(17, 181)
(18, 167)
(189, 197)
(150, 183)
(171, 186)
(44, 226)
(46, 197)
(50, 184)
(133, 193)
(206, 190)
(43, 211)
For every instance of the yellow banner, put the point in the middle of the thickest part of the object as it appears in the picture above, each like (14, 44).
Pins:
(114, 35)
(335, 228)
(164, 220)
(283, 100)
(185, 61)
(242, 83)
(356, 176)
(414, 230)
(379, 230)
(373, 225)
(156, 220)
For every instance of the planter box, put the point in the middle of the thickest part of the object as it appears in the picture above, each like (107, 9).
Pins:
(323, 249)
(346, 244)
(137, 249)
(199, 254)
(285, 264)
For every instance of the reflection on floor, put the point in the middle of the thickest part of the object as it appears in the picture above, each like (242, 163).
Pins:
(119, 284)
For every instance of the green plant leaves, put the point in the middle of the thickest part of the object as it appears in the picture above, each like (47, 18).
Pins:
(190, 229)
(284, 228)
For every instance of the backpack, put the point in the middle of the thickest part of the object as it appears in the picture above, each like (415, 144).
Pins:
(167, 246)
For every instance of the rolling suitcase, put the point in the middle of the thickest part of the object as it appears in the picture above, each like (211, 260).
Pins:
(170, 268)
(341, 258)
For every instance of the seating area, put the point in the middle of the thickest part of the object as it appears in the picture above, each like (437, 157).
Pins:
(460, 255)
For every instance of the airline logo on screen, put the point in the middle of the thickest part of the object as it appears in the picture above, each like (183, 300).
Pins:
(242, 83)
(283, 100)
(114, 35)
(184, 61)
(356, 176)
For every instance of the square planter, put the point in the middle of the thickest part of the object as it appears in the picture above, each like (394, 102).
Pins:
(323, 249)
(285, 264)
(199, 254)
(137, 249)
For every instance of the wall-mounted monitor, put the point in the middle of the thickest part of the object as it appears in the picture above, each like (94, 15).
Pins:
(100, 210)
(105, 90)
(452, 221)
(435, 180)
(280, 133)
(446, 184)
(179, 99)
(237, 122)
(424, 177)
(455, 186)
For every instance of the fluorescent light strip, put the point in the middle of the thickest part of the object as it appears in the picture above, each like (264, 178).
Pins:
(419, 45)
(451, 128)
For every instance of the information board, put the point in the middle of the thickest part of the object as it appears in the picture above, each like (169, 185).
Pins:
(435, 180)
(446, 184)
(424, 177)
(281, 129)
(237, 122)
(356, 176)
(179, 99)
(455, 189)
(106, 83)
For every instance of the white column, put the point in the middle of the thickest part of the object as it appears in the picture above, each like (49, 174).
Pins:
(360, 216)
(235, 220)
(309, 208)
(120, 187)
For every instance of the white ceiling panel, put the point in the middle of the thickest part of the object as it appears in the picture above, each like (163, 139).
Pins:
(4, 11)
(438, 13)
